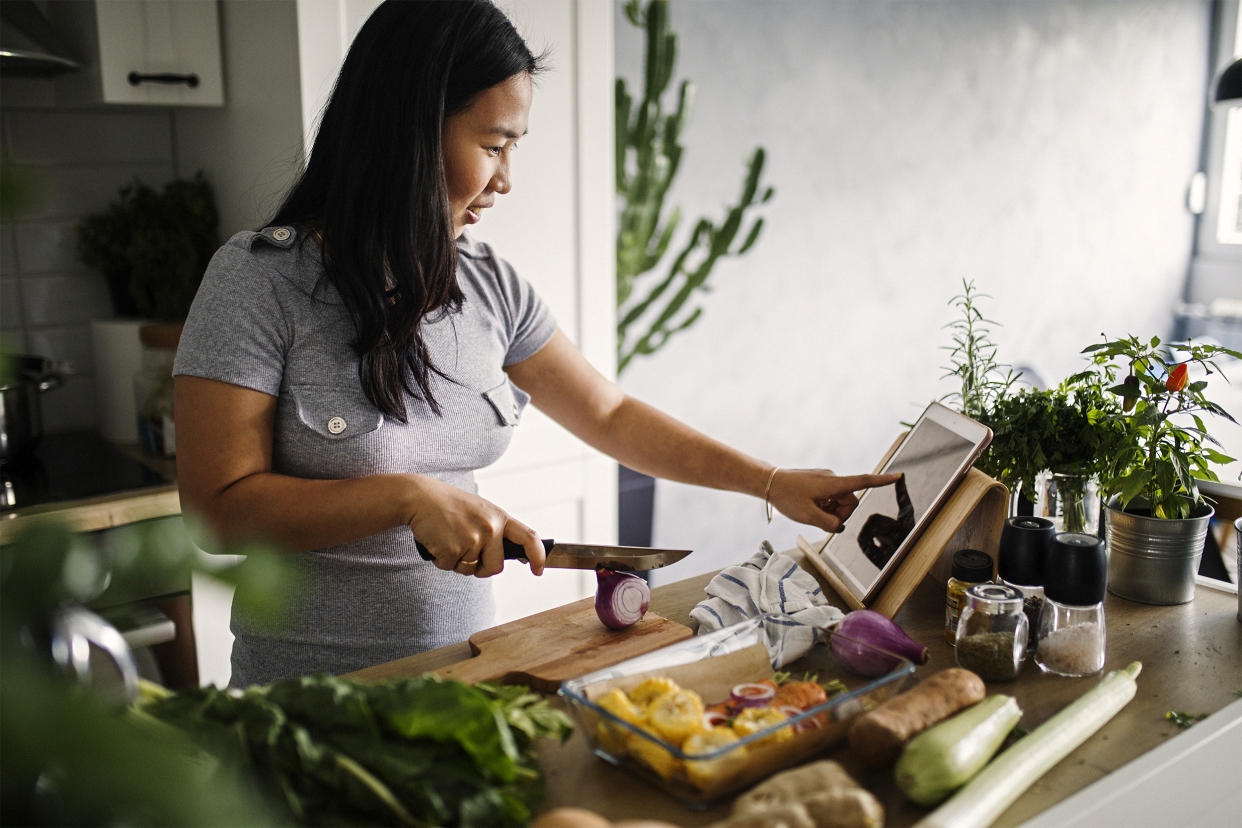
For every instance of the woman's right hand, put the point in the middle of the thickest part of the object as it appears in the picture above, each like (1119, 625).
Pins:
(465, 533)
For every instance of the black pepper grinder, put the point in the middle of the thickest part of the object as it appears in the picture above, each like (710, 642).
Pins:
(1071, 623)
(1023, 547)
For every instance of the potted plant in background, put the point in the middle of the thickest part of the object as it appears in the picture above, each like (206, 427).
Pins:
(648, 155)
(152, 248)
(1049, 445)
(1156, 519)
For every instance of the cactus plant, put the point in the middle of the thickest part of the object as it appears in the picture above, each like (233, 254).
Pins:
(648, 154)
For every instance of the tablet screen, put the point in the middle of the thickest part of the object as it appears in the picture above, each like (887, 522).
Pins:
(930, 457)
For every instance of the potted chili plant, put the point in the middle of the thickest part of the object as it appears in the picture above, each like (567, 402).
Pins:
(1156, 519)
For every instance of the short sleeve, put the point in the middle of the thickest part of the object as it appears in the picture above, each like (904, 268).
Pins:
(532, 320)
(237, 330)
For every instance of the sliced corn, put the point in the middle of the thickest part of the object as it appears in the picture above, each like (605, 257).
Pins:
(754, 719)
(651, 689)
(705, 772)
(676, 715)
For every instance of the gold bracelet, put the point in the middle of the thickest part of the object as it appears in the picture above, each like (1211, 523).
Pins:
(767, 505)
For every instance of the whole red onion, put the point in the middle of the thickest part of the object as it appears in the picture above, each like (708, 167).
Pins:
(865, 627)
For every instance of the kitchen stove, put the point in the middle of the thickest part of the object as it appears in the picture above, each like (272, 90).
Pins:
(72, 466)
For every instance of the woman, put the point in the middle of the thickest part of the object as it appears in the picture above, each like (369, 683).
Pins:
(345, 370)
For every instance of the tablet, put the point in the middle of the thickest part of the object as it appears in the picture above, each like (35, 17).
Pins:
(933, 458)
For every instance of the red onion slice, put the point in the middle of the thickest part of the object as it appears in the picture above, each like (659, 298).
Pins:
(753, 695)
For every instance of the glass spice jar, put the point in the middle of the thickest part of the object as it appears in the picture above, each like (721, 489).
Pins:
(992, 632)
(970, 567)
(1071, 624)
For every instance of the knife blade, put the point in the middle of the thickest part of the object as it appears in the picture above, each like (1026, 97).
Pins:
(587, 556)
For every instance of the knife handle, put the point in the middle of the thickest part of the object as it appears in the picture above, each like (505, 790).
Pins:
(513, 551)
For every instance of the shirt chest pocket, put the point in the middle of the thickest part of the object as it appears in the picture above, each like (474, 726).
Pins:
(507, 401)
(335, 413)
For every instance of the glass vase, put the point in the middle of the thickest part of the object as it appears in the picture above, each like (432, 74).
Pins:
(1070, 500)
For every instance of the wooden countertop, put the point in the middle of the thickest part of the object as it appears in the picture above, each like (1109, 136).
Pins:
(106, 511)
(1192, 661)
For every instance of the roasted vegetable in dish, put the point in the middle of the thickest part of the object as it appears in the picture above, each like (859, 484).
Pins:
(877, 736)
(676, 717)
(411, 752)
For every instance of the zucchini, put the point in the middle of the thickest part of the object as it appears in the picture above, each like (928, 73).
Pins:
(984, 798)
(941, 759)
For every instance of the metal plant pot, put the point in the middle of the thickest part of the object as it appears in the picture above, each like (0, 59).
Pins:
(1154, 560)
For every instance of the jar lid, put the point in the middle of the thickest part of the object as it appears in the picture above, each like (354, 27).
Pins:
(1023, 546)
(1075, 569)
(994, 599)
(972, 566)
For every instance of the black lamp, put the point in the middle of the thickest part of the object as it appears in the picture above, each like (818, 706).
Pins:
(1229, 84)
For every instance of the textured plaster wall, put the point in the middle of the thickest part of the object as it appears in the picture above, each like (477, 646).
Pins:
(1042, 149)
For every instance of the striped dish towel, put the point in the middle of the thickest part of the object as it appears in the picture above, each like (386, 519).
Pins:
(768, 582)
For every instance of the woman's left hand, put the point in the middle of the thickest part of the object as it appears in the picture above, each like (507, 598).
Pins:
(820, 498)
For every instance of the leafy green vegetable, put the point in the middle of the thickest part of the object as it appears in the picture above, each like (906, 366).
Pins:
(1184, 719)
(413, 751)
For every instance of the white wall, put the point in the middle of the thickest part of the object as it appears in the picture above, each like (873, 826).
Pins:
(251, 148)
(1042, 149)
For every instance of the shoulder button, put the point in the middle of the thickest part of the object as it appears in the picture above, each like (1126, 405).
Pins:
(281, 234)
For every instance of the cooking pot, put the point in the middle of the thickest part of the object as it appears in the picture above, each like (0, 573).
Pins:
(22, 380)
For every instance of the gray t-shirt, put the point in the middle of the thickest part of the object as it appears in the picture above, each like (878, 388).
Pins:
(265, 318)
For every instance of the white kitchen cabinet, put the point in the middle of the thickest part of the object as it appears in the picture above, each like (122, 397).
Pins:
(556, 228)
(164, 52)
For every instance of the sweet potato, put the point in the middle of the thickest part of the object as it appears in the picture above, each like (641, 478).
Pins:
(877, 736)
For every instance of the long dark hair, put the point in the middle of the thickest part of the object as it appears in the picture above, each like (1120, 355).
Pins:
(374, 185)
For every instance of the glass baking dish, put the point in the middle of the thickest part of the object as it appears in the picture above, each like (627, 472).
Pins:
(711, 665)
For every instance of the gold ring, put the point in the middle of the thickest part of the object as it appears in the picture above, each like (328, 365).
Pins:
(475, 562)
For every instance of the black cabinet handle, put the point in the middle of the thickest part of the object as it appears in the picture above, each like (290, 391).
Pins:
(136, 78)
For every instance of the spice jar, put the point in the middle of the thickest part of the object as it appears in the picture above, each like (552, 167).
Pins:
(1020, 564)
(1071, 623)
(970, 567)
(992, 632)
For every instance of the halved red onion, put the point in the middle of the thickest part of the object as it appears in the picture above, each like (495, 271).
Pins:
(621, 599)
(713, 718)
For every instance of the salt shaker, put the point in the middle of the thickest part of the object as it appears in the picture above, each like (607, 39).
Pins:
(1020, 564)
(1071, 624)
(992, 632)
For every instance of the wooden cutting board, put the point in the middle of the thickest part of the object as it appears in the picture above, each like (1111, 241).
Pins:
(543, 650)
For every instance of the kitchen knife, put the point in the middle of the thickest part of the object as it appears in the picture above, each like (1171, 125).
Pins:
(584, 556)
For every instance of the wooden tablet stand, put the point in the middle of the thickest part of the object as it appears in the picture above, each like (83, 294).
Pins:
(972, 518)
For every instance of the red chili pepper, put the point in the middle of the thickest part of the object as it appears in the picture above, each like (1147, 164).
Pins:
(1177, 378)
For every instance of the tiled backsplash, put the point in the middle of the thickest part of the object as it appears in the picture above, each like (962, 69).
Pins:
(79, 160)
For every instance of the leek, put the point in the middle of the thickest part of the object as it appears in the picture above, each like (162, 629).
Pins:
(984, 798)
